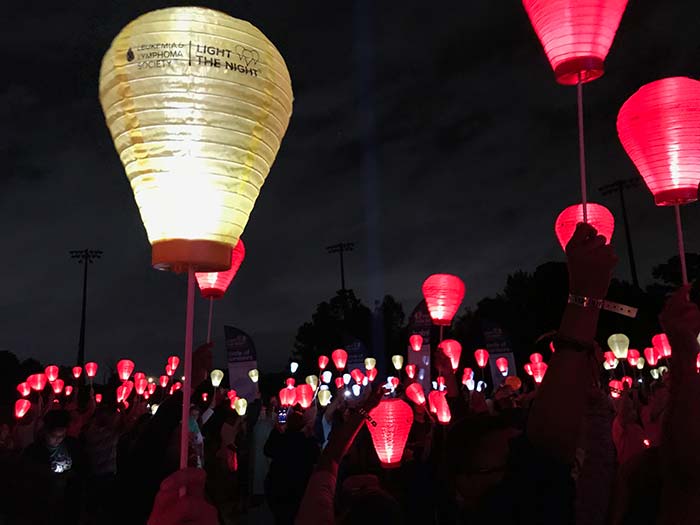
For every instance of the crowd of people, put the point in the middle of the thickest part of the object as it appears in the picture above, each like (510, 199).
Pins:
(566, 452)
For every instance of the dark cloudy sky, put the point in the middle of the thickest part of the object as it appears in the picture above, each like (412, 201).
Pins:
(472, 155)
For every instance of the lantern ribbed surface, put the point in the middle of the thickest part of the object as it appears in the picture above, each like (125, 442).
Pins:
(393, 418)
(598, 216)
(197, 103)
(214, 284)
(659, 127)
(443, 294)
(576, 34)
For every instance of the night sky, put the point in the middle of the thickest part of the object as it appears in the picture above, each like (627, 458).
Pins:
(432, 134)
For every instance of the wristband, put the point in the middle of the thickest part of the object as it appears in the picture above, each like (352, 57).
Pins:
(601, 304)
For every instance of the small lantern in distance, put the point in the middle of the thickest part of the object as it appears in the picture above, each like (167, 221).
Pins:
(661, 345)
(619, 344)
(323, 362)
(240, 406)
(173, 362)
(651, 356)
(22, 406)
(163, 381)
(24, 389)
(98, 398)
(397, 361)
(304, 395)
(324, 397)
(416, 342)
(124, 369)
(502, 365)
(68, 390)
(415, 393)
(370, 363)
(91, 369)
(632, 357)
(340, 358)
(410, 371)
(57, 386)
(312, 381)
(37, 382)
(453, 350)
(216, 376)
(482, 357)
(77, 371)
(51, 372)
(254, 375)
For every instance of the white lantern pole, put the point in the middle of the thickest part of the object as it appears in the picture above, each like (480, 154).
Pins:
(187, 383)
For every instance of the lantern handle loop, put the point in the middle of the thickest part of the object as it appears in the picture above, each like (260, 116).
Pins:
(681, 244)
(582, 148)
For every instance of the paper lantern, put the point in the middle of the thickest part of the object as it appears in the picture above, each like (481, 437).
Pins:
(536, 357)
(98, 398)
(288, 396)
(610, 359)
(124, 369)
(216, 376)
(293, 367)
(57, 386)
(322, 362)
(410, 371)
(468, 373)
(659, 127)
(394, 382)
(324, 397)
(598, 216)
(528, 368)
(651, 356)
(173, 362)
(231, 394)
(654, 373)
(22, 406)
(432, 401)
(163, 381)
(513, 382)
(392, 422)
(176, 386)
(453, 350)
(627, 381)
(442, 409)
(51, 372)
(68, 390)
(37, 382)
(326, 376)
(340, 358)
(440, 382)
(140, 385)
(346, 378)
(640, 363)
(397, 361)
(538, 371)
(619, 344)
(415, 393)
(482, 357)
(416, 342)
(616, 388)
(197, 103)
(304, 395)
(213, 285)
(240, 406)
(632, 357)
(254, 375)
(370, 363)
(121, 393)
(169, 371)
(502, 365)
(372, 374)
(357, 375)
(443, 294)
(339, 383)
(576, 35)
(697, 360)
(661, 345)
(137, 376)
(312, 381)
(290, 382)
(77, 371)
(91, 369)
(24, 389)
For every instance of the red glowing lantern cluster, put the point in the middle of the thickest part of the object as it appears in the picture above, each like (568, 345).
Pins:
(415, 393)
(453, 350)
(24, 389)
(340, 358)
(288, 396)
(538, 371)
(37, 382)
(22, 406)
(659, 127)
(661, 343)
(598, 216)
(214, 284)
(502, 365)
(91, 369)
(576, 35)
(443, 294)
(124, 369)
(482, 357)
(416, 342)
(51, 372)
(392, 422)
(77, 371)
(304, 395)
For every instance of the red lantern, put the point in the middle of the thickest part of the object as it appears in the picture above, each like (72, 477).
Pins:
(627, 381)
(357, 375)
(502, 365)
(24, 389)
(538, 371)
(410, 371)
(697, 363)
(98, 398)
(598, 216)
(173, 362)
(440, 381)
(169, 371)
(576, 35)
(121, 393)
(137, 376)
(176, 386)
(231, 394)
(632, 357)
(163, 381)
(528, 368)
(57, 386)
(442, 409)
(482, 357)
(77, 371)
(37, 382)
(610, 359)
(415, 393)
(536, 358)
(205, 396)
(214, 284)
(290, 382)
(659, 127)
(392, 422)
(68, 390)
(661, 344)
(468, 373)
(443, 294)
(304, 395)
(651, 356)
(51, 372)
(432, 401)
(288, 396)
(394, 382)
(91, 369)
(339, 382)
(372, 374)
(124, 369)
(140, 385)
(146, 395)
(22, 406)
(340, 358)
(453, 350)
(151, 388)
(616, 388)
(416, 342)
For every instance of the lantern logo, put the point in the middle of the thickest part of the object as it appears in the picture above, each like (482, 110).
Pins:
(130, 55)
(250, 56)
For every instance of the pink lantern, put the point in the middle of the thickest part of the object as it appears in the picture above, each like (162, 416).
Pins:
(616, 388)
(24, 389)
(68, 390)
(442, 409)
(632, 357)
(121, 393)
(659, 127)
(57, 386)
(651, 356)
(392, 422)
(91, 369)
(98, 398)
(290, 382)
(416, 342)
(173, 362)
(163, 381)
(538, 371)
(357, 375)
(340, 358)
(205, 397)
(440, 382)
(482, 357)
(140, 385)
(502, 365)
(124, 369)
(169, 371)
(51, 372)
(394, 382)
(339, 381)
(22, 406)
(151, 388)
(410, 371)
(468, 373)
(432, 401)
(214, 284)
(77, 371)
(576, 35)
(610, 359)
(37, 382)
(322, 362)
(536, 358)
(176, 386)
(304, 395)
(627, 382)
(371, 374)
(598, 216)
(137, 376)
(288, 396)
(453, 350)
(443, 294)
(231, 394)
(528, 368)
(415, 393)
(660, 342)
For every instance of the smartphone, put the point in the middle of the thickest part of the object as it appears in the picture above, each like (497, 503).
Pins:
(282, 417)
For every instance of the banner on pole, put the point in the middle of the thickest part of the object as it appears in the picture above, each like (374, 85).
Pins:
(241, 357)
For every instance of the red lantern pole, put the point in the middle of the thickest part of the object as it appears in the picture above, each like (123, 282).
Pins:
(187, 383)
(681, 244)
(582, 148)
